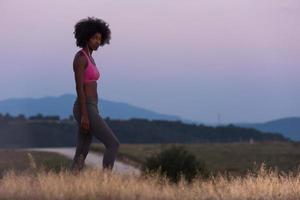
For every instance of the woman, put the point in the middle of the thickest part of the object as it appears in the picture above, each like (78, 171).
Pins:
(90, 33)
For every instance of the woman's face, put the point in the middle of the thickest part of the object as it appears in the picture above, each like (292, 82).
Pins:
(95, 41)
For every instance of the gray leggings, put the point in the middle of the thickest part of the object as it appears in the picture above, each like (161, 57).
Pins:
(98, 128)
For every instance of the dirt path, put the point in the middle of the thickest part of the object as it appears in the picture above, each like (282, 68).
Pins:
(93, 159)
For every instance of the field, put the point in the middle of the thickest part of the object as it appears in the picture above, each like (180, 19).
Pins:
(98, 184)
(41, 175)
(20, 161)
(234, 158)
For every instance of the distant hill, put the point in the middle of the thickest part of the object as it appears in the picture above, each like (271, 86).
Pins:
(289, 127)
(62, 106)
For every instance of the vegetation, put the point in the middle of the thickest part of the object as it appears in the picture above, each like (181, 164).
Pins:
(226, 158)
(175, 162)
(44, 131)
(95, 184)
(34, 181)
(19, 161)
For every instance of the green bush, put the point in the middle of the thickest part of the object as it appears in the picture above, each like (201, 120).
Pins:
(175, 162)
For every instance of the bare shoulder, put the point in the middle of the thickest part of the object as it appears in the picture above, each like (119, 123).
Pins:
(79, 60)
(79, 55)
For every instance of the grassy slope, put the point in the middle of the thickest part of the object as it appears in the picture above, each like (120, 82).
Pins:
(232, 157)
(20, 160)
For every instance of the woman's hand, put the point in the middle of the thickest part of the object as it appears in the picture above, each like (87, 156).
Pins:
(85, 123)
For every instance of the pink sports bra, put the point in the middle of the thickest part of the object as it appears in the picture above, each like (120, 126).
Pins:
(91, 72)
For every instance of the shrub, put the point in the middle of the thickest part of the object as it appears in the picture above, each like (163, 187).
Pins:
(175, 162)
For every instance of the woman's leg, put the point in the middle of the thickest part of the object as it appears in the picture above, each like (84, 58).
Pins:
(102, 131)
(82, 148)
(83, 142)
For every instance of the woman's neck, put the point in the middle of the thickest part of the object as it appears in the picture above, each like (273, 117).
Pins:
(88, 50)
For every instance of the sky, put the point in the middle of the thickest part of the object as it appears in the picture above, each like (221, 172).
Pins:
(210, 61)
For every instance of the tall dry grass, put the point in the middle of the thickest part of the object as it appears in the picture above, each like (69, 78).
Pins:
(98, 184)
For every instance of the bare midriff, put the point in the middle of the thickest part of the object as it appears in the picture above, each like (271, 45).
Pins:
(90, 90)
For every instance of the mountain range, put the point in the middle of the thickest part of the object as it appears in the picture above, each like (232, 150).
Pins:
(289, 127)
(62, 106)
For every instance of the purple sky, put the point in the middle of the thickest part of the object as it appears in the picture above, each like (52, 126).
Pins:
(195, 59)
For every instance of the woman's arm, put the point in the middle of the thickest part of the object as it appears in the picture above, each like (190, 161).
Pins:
(79, 64)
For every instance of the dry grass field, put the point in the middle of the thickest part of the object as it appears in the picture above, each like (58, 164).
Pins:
(105, 185)
(42, 175)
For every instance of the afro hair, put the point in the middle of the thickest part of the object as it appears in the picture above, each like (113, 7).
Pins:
(86, 28)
